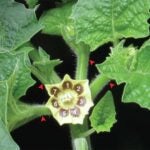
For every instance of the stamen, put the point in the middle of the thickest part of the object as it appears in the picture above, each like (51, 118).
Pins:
(67, 85)
(55, 103)
(54, 91)
(63, 112)
(78, 88)
(81, 101)
(75, 112)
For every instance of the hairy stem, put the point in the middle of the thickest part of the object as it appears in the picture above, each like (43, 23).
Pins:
(81, 143)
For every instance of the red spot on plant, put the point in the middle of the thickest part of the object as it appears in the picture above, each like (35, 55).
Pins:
(43, 119)
(41, 86)
(112, 85)
(92, 62)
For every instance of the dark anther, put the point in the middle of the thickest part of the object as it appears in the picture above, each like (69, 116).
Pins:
(55, 103)
(54, 91)
(78, 88)
(67, 85)
(81, 101)
(63, 112)
(75, 112)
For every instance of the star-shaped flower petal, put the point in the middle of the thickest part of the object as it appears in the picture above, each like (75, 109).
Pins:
(70, 100)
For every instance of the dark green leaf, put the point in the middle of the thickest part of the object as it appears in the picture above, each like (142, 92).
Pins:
(6, 142)
(17, 24)
(14, 67)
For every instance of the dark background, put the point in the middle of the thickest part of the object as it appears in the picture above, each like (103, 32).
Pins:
(132, 130)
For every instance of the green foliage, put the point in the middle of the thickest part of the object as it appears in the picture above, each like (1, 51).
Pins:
(6, 142)
(100, 21)
(103, 115)
(132, 67)
(43, 67)
(14, 68)
(56, 19)
(32, 3)
(84, 25)
(17, 25)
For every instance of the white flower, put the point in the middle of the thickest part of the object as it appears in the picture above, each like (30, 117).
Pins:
(70, 100)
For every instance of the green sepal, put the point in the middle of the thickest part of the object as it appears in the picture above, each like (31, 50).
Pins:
(103, 115)
(43, 65)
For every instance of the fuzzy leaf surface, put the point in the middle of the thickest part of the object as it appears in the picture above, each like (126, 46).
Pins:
(100, 21)
(15, 67)
(132, 67)
(17, 24)
(55, 19)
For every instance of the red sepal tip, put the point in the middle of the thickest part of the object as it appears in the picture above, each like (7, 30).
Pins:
(92, 62)
(43, 119)
(41, 86)
(112, 85)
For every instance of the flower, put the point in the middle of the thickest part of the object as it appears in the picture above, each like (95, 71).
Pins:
(70, 100)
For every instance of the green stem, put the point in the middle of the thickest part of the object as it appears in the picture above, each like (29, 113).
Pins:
(98, 83)
(87, 133)
(78, 142)
(77, 139)
(82, 64)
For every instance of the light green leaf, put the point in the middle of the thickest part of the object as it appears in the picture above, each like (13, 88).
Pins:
(132, 67)
(103, 115)
(17, 25)
(6, 142)
(43, 66)
(56, 19)
(100, 21)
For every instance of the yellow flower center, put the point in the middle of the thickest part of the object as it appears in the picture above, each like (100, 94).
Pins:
(67, 99)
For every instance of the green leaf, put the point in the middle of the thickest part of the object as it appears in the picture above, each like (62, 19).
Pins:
(32, 3)
(43, 67)
(17, 25)
(56, 19)
(132, 67)
(6, 142)
(100, 21)
(103, 115)
(14, 66)
(3, 101)
(15, 78)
